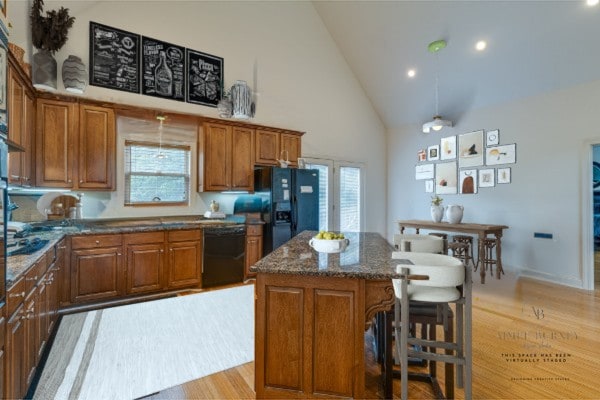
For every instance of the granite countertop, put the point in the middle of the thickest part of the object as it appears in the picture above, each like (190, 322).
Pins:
(368, 256)
(17, 265)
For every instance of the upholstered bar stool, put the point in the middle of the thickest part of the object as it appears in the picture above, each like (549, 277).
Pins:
(489, 257)
(465, 253)
(419, 243)
(449, 282)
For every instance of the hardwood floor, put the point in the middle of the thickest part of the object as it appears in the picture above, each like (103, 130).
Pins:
(531, 340)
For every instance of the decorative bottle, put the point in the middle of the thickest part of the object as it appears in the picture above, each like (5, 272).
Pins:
(163, 76)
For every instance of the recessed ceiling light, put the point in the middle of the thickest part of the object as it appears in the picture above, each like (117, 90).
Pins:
(592, 3)
(411, 73)
(480, 45)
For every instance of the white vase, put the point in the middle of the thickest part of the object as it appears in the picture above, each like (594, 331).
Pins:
(437, 213)
(74, 75)
(454, 213)
(241, 100)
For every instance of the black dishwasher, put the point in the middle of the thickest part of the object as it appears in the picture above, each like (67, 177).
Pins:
(224, 255)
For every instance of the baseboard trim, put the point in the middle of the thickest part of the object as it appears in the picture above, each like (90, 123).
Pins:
(544, 276)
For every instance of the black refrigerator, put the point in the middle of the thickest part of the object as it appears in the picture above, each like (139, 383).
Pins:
(290, 203)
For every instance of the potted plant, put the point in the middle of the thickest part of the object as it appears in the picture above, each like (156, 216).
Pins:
(48, 35)
(437, 210)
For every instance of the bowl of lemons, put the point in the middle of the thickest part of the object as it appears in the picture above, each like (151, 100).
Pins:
(329, 242)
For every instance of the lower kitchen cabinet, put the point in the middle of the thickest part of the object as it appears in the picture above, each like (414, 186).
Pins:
(185, 258)
(145, 262)
(15, 370)
(2, 349)
(254, 246)
(96, 268)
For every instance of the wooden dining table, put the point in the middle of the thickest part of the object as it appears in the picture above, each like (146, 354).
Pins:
(481, 230)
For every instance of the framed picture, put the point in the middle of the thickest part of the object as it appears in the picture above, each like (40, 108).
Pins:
(448, 148)
(504, 154)
(163, 69)
(424, 171)
(503, 175)
(486, 178)
(114, 58)
(429, 186)
(433, 152)
(468, 181)
(492, 138)
(205, 78)
(421, 155)
(445, 178)
(470, 149)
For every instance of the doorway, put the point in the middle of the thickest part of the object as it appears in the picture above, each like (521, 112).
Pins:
(341, 194)
(596, 211)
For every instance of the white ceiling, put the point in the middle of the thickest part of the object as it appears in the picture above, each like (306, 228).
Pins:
(533, 47)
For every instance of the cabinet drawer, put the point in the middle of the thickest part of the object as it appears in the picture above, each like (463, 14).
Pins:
(33, 275)
(93, 241)
(182, 236)
(144, 237)
(15, 296)
(254, 230)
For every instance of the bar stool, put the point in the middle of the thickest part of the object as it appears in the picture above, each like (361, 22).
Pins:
(489, 259)
(419, 243)
(465, 253)
(449, 282)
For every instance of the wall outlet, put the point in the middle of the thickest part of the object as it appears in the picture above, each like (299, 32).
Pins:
(542, 235)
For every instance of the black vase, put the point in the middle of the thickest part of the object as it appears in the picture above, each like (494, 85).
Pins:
(43, 70)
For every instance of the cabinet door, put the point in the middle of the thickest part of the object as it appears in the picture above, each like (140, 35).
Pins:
(253, 254)
(217, 157)
(32, 327)
(242, 159)
(15, 355)
(96, 274)
(266, 147)
(55, 143)
(27, 159)
(15, 125)
(290, 147)
(2, 350)
(145, 267)
(185, 260)
(52, 298)
(96, 167)
(43, 316)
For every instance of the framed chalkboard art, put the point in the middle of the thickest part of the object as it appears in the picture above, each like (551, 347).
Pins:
(114, 58)
(163, 69)
(205, 77)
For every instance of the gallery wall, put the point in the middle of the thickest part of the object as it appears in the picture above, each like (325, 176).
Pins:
(303, 82)
(553, 133)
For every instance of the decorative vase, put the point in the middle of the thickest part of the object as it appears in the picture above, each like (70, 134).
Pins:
(437, 213)
(214, 206)
(241, 100)
(74, 75)
(454, 213)
(43, 70)
(225, 107)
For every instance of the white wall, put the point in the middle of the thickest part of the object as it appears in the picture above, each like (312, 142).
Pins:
(553, 133)
(303, 81)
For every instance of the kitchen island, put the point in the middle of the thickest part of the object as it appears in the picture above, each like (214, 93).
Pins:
(312, 310)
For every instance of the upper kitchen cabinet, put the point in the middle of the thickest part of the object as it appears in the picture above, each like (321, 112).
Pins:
(228, 157)
(75, 145)
(21, 107)
(273, 146)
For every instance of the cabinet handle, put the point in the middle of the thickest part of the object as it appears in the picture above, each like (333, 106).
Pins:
(22, 294)
(64, 247)
(15, 177)
(70, 181)
(81, 181)
(35, 278)
(161, 250)
(97, 242)
(119, 254)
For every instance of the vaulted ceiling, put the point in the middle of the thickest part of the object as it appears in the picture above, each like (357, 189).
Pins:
(533, 47)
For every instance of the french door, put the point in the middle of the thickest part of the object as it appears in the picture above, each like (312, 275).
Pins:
(341, 194)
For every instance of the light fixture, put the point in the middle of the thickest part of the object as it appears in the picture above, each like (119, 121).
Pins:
(411, 73)
(438, 122)
(161, 119)
(480, 45)
(592, 3)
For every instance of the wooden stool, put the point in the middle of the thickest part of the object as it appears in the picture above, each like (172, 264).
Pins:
(489, 259)
(443, 236)
(465, 253)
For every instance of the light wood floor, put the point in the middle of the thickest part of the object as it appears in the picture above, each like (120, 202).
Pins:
(531, 340)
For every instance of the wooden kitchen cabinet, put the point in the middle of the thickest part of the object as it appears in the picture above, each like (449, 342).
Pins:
(21, 107)
(75, 145)
(145, 262)
(97, 271)
(254, 247)
(14, 374)
(2, 350)
(184, 258)
(228, 158)
(273, 146)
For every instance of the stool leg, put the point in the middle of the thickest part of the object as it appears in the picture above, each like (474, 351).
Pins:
(449, 367)
(404, 340)
(460, 344)
(388, 364)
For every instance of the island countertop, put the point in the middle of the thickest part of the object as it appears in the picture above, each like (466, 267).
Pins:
(368, 256)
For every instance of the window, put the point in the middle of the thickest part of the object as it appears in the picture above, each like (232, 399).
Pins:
(156, 174)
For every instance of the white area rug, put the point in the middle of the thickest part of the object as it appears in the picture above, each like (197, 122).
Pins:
(136, 350)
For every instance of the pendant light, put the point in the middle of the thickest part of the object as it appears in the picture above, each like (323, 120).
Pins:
(438, 122)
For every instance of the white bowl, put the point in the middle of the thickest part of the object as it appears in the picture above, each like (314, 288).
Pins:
(329, 246)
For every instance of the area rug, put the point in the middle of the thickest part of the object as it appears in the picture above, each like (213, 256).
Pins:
(133, 351)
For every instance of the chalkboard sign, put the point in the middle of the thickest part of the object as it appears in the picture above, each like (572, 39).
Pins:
(163, 69)
(114, 58)
(205, 77)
